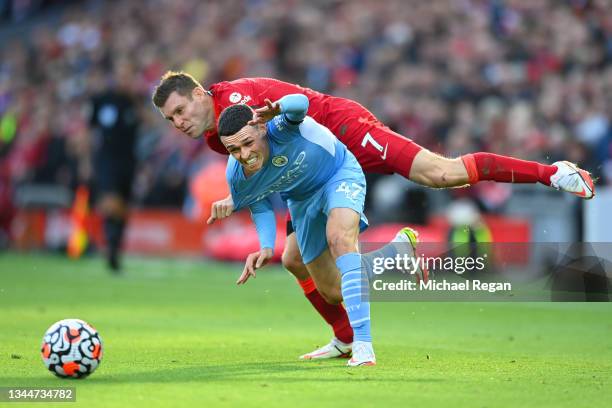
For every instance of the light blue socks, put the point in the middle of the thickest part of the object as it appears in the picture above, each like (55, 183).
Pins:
(355, 291)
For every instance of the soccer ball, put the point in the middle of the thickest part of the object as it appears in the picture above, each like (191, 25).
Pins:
(71, 348)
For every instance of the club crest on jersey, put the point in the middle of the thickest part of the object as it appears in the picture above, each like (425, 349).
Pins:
(236, 97)
(280, 161)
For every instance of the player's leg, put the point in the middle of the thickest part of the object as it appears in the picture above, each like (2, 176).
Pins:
(309, 240)
(113, 209)
(332, 312)
(324, 273)
(292, 259)
(343, 201)
(114, 183)
(326, 277)
(382, 150)
(561, 175)
(433, 170)
(342, 234)
(331, 219)
(404, 244)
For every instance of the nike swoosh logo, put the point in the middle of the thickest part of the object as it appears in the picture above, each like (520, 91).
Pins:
(384, 155)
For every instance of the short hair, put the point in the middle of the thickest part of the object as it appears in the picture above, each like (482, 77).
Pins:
(234, 118)
(174, 81)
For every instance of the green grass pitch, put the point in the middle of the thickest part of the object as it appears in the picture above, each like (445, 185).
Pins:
(181, 333)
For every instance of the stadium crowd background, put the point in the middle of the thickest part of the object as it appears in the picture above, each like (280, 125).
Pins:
(528, 78)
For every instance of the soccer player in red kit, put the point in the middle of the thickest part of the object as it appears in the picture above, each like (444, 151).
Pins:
(194, 111)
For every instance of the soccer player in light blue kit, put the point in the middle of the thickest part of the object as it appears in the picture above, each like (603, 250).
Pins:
(324, 188)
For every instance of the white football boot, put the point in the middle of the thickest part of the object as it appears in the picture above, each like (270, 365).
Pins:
(573, 179)
(363, 354)
(410, 236)
(334, 349)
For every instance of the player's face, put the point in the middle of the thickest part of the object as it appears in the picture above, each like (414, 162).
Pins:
(192, 114)
(249, 146)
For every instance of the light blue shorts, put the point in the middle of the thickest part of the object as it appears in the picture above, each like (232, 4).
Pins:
(346, 189)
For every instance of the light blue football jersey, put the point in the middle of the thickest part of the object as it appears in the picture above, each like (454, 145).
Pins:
(307, 165)
(303, 158)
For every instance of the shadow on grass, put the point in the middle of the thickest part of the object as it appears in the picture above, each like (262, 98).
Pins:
(263, 372)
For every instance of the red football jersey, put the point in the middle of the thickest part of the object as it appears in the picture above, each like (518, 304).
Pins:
(328, 110)
(377, 148)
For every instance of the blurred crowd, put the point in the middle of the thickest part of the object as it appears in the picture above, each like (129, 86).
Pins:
(529, 78)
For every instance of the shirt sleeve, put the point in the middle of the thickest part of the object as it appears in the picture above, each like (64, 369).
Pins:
(294, 107)
(265, 222)
(293, 112)
(230, 172)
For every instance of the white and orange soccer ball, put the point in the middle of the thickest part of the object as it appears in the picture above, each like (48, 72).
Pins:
(71, 348)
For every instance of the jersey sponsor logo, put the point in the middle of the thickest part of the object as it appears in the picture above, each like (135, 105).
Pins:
(294, 172)
(300, 158)
(384, 155)
(236, 97)
(280, 161)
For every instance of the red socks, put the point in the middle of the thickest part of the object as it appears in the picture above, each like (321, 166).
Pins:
(335, 315)
(488, 166)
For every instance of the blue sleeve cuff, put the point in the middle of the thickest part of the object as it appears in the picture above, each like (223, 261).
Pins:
(265, 223)
(295, 107)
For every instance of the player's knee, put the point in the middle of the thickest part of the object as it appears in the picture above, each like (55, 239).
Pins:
(340, 243)
(292, 261)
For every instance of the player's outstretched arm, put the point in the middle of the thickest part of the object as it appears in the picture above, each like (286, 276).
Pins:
(265, 223)
(295, 106)
(221, 209)
(265, 114)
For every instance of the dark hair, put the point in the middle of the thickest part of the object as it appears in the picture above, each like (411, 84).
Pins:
(174, 81)
(233, 118)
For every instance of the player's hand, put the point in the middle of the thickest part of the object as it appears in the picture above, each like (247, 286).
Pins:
(221, 209)
(253, 262)
(262, 115)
